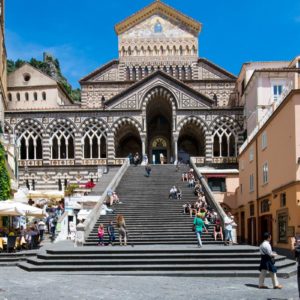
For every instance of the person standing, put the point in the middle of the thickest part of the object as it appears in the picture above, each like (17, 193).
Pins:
(136, 159)
(297, 255)
(199, 226)
(101, 235)
(111, 233)
(228, 229)
(122, 230)
(53, 223)
(41, 227)
(162, 159)
(267, 263)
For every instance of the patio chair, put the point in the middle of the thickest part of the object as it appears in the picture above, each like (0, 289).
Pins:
(11, 243)
(34, 242)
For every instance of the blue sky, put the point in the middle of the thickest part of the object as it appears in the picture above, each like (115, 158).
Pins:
(81, 33)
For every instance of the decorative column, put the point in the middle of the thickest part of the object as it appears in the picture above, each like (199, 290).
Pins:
(78, 155)
(111, 151)
(208, 146)
(46, 148)
(143, 138)
(175, 139)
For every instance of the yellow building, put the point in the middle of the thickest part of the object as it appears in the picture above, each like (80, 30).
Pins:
(268, 198)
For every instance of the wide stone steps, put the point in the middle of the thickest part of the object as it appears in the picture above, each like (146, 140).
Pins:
(12, 259)
(161, 241)
(151, 217)
(233, 261)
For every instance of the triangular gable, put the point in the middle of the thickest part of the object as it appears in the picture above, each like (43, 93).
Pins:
(100, 71)
(159, 8)
(36, 77)
(185, 97)
(209, 70)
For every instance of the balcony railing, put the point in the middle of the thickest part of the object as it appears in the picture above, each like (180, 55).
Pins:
(30, 163)
(224, 160)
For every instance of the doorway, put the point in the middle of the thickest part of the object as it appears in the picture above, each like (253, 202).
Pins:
(156, 155)
(252, 231)
(159, 123)
(265, 226)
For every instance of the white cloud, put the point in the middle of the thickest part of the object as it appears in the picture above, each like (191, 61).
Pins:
(73, 62)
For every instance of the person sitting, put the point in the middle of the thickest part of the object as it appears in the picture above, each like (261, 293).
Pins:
(218, 230)
(110, 199)
(178, 193)
(115, 198)
(173, 193)
(193, 209)
(105, 210)
(186, 208)
(148, 170)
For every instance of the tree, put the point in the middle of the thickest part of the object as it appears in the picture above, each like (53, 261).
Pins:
(4, 177)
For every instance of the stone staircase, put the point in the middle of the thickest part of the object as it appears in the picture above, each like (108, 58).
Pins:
(152, 218)
(157, 260)
(161, 241)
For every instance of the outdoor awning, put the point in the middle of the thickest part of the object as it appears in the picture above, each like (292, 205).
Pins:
(46, 194)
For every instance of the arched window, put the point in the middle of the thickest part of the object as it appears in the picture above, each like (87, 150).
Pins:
(133, 73)
(18, 97)
(189, 73)
(35, 97)
(62, 140)
(44, 96)
(9, 97)
(26, 96)
(30, 140)
(224, 140)
(177, 72)
(127, 73)
(94, 140)
(183, 74)
(140, 73)
(158, 27)
(146, 71)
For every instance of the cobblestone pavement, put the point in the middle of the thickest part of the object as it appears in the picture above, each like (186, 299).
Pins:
(18, 284)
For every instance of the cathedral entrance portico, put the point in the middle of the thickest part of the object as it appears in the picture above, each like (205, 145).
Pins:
(159, 124)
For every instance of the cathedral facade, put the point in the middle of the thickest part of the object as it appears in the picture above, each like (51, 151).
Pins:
(157, 97)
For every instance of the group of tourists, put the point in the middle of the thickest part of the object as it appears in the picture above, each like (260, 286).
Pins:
(175, 193)
(110, 229)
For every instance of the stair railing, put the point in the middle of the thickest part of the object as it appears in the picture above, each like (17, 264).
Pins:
(207, 192)
(62, 227)
(94, 215)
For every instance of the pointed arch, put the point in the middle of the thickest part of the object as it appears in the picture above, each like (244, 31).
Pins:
(94, 138)
(224, 137)
(62, 138)
(29, 134)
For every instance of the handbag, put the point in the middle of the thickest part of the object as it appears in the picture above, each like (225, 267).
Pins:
(272, 259)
